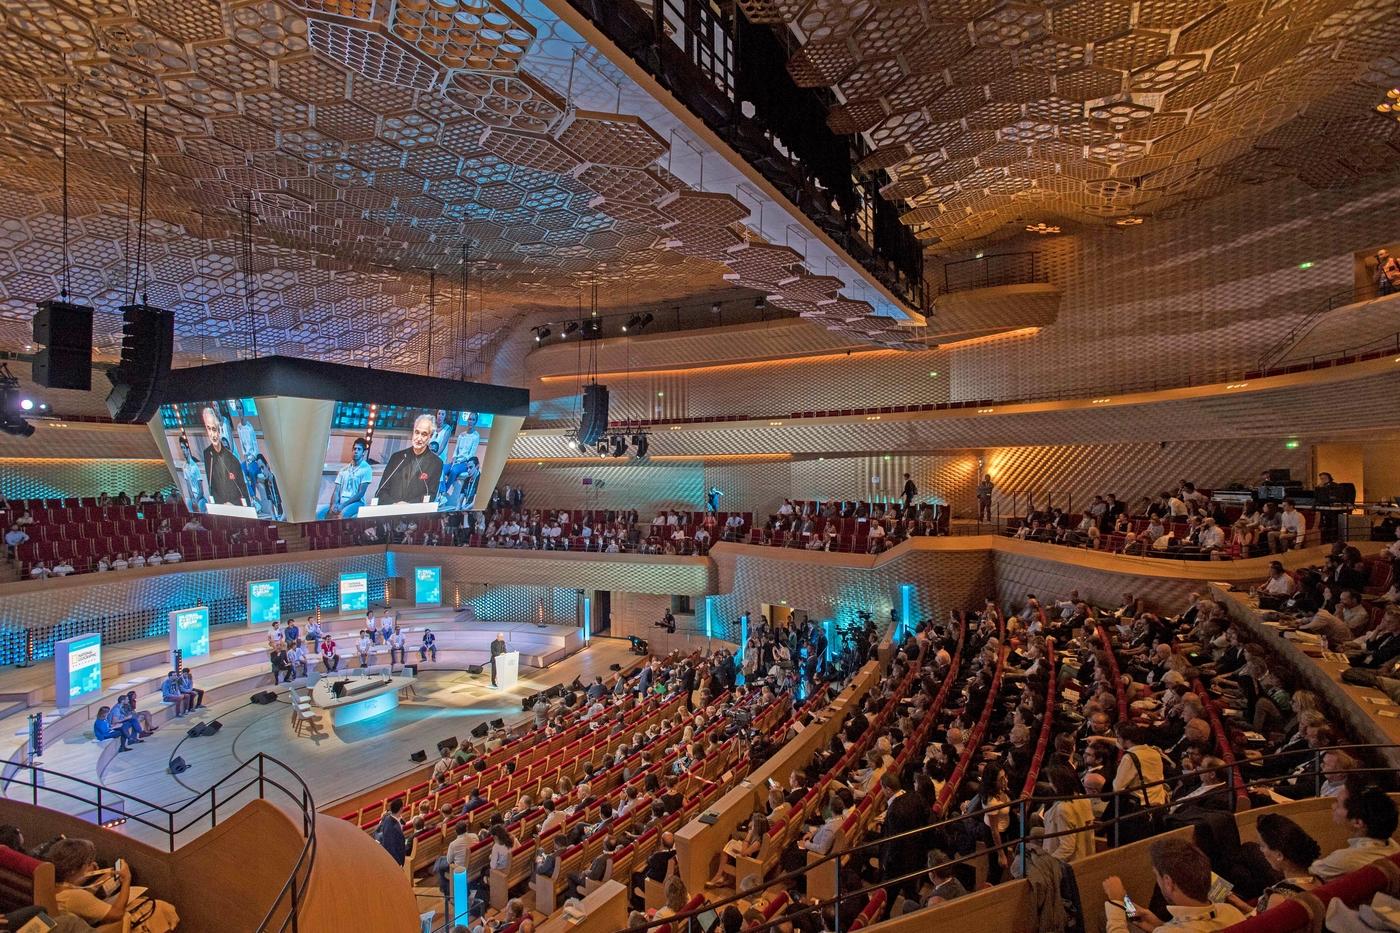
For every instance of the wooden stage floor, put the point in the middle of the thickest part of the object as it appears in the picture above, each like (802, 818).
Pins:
(335, 764)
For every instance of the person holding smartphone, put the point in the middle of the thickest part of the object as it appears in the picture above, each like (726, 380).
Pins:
(1183, 875)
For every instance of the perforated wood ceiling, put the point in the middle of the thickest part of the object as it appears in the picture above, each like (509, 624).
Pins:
(372, 140)
(988, 113)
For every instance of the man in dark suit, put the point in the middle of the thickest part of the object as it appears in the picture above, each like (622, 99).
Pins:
(221, 464)
(412, 474)
(659, 864)
(498, 648)
(280, 664)
(391, 832)
(909, 491)
(902, 814)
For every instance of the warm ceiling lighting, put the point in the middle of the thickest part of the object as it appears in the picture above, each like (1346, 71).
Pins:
(1390, 107)
(1041, 228)
(1132, 221)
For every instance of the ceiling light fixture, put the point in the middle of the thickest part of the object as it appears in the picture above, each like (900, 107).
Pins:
(1390, 107)
(1041, 228)
(1130, 221)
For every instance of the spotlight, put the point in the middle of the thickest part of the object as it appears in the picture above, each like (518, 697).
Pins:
(12, 404)
(760, 303)
(714, 308)
(570, 328)
(542, 332)
(573, 443)
(639, 441)
(619, 445)
(633, 323)
(646, 319)
(603, 447)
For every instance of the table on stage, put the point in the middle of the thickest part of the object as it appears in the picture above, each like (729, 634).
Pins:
(360, 697)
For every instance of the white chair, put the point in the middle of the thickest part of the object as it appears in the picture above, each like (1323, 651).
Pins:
(303, 714)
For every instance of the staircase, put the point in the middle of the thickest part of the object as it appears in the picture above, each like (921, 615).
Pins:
(1305, 325)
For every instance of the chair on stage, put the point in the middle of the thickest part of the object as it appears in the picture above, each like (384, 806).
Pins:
(304, 716)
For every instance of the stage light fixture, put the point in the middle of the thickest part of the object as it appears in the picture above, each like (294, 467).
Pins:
(639, 443)
(573, 443)
(570, 328)
(633, 323)
(603, 448)
(26, 404)
(12, 405)
(646, 319)
(541, 333)
(714, 308)
(760, 303)
(619, 445)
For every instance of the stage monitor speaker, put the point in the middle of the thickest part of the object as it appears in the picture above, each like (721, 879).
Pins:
(195, 730)
(449, 743)
(528, 702)
(614, 667)
(212, 727)
(498, 724)
(419, 756)
(475, 668)
(65, 332)
(594, 423)
(263, 697)
(178, 765)
(479, 730)
(139, 380)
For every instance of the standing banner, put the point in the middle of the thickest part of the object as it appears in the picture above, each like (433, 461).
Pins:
(264, 602)
(427, 586)
(189, 632)
(77, 665)
(354, 592)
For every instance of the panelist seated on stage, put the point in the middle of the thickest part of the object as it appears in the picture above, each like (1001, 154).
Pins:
(414, 473)
(351, 485)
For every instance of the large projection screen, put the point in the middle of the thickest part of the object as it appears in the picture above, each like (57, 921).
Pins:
(282, 439)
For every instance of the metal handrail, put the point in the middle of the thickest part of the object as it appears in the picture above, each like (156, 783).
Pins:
(1305, 325)
(682, 922)
(292, 890)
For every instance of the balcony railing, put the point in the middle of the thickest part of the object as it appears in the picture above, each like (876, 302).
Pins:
(989, 271)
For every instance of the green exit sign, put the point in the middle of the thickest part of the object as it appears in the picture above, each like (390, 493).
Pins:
(1291, 445)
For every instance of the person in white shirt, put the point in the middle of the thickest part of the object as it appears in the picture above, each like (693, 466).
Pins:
(120, 563)
(443, 764)
(38, 571)
(172, 556)
(155, 560)
(1368, 812)
(1211, 539)
(192, 524)
(672, 518)
(296, 657)
(365, 647)
(1183, 875)
(104, 564)
(1071, 817)
(137, 560)
(1293, 528)
(61, 569)
(785, 508)
(1279, 583)
(397, 648)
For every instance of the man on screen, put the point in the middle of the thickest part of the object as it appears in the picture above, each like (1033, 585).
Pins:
(412, 474)
(464, 466)
(221, 466)
(351, 485)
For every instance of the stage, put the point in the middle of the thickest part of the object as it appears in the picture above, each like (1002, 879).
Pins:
(337, 761)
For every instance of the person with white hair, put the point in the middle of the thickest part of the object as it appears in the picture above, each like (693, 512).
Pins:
(413, 473)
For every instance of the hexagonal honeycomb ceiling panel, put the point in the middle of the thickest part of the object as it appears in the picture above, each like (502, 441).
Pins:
(986, 114)
(371, 142)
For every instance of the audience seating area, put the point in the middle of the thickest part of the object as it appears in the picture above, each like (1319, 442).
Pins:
(82, 533)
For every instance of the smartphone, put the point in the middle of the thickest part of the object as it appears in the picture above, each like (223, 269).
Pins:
(117, 867)
(1129, 907)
